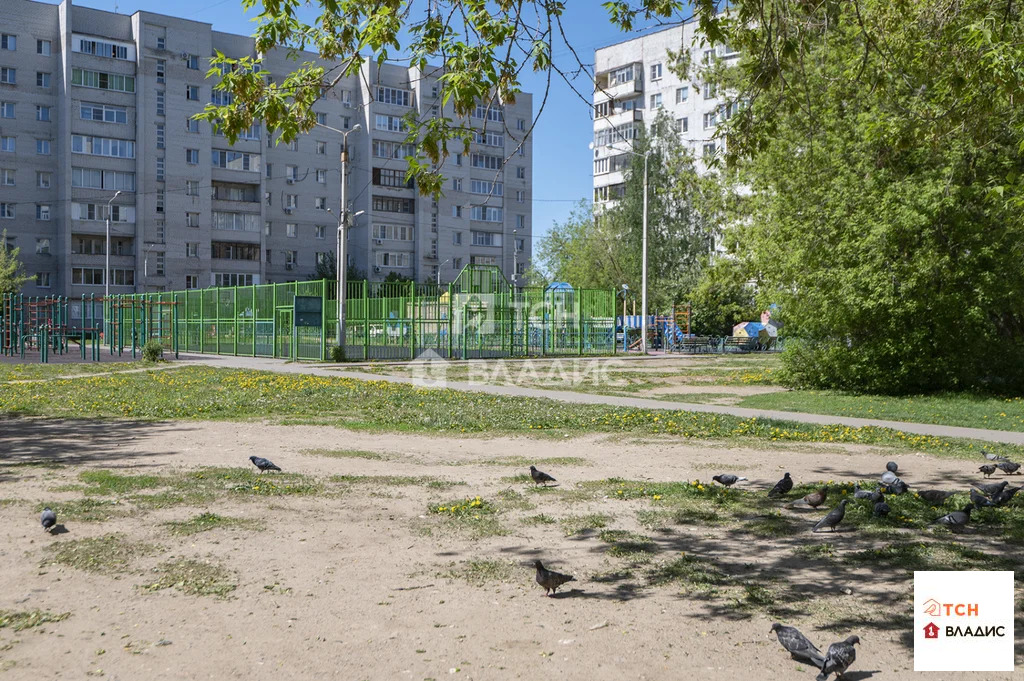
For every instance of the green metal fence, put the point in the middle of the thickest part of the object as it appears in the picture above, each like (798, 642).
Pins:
(478, 315)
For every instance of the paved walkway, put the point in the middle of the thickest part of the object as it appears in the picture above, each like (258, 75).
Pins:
(283, 366)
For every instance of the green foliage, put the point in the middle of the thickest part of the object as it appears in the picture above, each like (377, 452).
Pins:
(882, 148)
(12, 271)
(336, 353)
(722, 298)
(152, 351)
(21, 620)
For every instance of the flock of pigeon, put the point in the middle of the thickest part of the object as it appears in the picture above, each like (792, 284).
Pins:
(840, 656)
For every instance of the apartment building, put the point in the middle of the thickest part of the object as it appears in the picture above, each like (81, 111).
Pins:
(96, 111)
(633, 83)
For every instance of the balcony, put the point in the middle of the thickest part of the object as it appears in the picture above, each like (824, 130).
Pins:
(619, 118)
(615, 90)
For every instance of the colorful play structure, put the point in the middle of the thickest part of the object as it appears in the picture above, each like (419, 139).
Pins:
(36, 327)
(670, 333)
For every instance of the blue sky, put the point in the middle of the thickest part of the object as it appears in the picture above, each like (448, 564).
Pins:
(562, 162)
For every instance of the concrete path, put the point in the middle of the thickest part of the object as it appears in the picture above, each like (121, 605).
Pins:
(282, 366)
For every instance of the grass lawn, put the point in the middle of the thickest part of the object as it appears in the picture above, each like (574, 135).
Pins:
(963, 409)
(28, 372)
(224, 394)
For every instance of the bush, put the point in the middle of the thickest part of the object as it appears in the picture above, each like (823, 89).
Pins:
(336, 353)
(152, 351)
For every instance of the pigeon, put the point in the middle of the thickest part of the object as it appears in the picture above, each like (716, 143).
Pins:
(935, 496)
(839, 658)
(549, 579)
(988, 469)
(993, 488)
(834, 517)
(881, 509)
(891, 467)
(875, 497)
(1001, 498)
(862, 493)
(816, 499)
(993, 457)
(727, 479)
(981, 501)
(48, 519)
(540, 476)
(898, 487)
(782, 486)
(798, 645)
(955, 519)
(1008, 467)
(263, 464)
(888, 478)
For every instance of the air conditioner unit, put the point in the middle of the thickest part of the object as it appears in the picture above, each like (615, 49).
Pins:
(376, 268)
(378, 241)
(289, 266)
(184, 55)
(288, 210)
(290, 180)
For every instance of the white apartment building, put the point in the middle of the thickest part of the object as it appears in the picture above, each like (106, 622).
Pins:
(633, 83)
(93, 103)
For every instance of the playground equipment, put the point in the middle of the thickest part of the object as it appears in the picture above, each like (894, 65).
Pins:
(34, 327)
(479, 315)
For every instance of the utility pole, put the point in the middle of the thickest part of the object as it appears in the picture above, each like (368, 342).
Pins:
(106, 269)
(643, 293)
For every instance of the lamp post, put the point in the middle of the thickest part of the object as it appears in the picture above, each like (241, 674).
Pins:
(643, 275)
(439, 268)
(342, 262)
(106, 268)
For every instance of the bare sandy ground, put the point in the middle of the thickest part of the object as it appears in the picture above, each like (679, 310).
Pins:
(352, 585)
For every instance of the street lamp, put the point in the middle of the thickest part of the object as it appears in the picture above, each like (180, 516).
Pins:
(106, 270)
(342, 223)
(439, 267)
(643, 276)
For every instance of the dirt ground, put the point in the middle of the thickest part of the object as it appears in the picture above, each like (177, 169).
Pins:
(353, 585)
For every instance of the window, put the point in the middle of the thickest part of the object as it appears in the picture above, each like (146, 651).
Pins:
(346, 122)
(43, 245)
(320, 232)
(392, 149)
(458, 159)
(102, 81)
(520, 124)
(191, 125)
(238, 222)
(520, 222)
(390, 95)
(291, 201)
(7, 144)
(100, 48)
(159, 203)
(393, 232)
(321, 118)
(489, 113)
(267, 229)
(159, 135)
(191, 219)
(191, 187)
(294, 144)
(490, 139)
(43, 47)
(92, 178)
(103, 146)
(709, 119)
(270, 174)
(7, 211)
(9, 76)
(233, 192)
(487, 214)
(103, 112)
(291, 258)
(43, 147)
(520, 172)
(291, 230)
(655, 71)
(393, 205)
(192, 62)
(159, 265)
(390, 123)
(390, 177)
(161, 70)
(192, 250)
(456, 211)
(7, 177)
(43, 279)
(486, 161)
(520, 245)
(656, 101)
(236, 160)
(42, 211)
(708, 56)
(457, 184)
(520, 196)
(709, 150)
(192, 157)
(231, 279)
(192, 92)
(320, 203)
(291, 172)
(161, 43)
(42, 79)
(321, 176)
(8, 42)
(483, 260)
(682, 94)
(229, 250)
(221, 98)
(486, 238)
(709, 90)
(385, 259)
(6, 109)
(87, 276)
(160, 169)
(682, 125)
(622, 133)
(98, 212)
(321, 257)
(321, 147)
(43, 179)
(191, 281)
(486, 188)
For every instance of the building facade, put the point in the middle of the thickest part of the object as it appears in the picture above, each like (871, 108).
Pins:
(96, 109)
(633, 83)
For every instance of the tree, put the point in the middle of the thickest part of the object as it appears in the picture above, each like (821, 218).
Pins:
(481, 46)
(582, 250)
(722, 298)
(328, 269)
(12, 271)
(882, 156)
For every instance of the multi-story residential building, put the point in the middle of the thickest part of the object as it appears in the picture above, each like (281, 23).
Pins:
(96, 109)
(634, 82)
